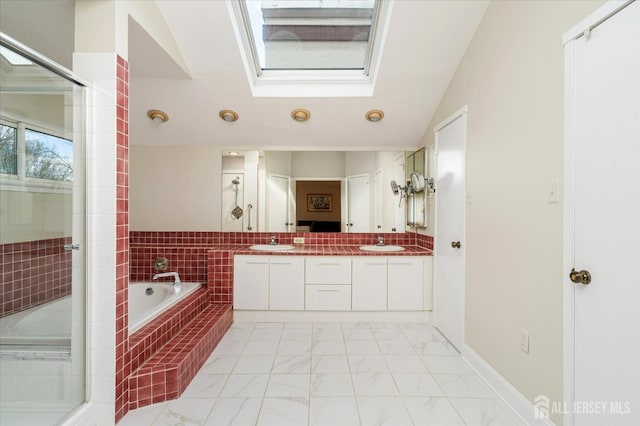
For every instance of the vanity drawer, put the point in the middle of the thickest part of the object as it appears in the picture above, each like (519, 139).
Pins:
(328, 297)
(328, 270)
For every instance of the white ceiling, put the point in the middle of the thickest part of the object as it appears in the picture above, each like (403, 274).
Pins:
(425, 43)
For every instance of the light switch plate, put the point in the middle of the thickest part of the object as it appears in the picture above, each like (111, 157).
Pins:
(524, 340)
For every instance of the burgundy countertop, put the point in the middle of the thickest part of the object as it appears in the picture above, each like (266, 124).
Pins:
(324, 250)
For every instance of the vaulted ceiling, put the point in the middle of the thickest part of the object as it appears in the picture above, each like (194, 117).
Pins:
(424, 45)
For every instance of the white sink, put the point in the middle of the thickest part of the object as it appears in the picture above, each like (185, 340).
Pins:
(381, 248)
(271, 247)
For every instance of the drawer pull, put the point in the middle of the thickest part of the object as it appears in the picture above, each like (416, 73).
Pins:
(257, 263)
(281, 263)
(328, 291)
(381, 264)
(400, 263)
(329, 264)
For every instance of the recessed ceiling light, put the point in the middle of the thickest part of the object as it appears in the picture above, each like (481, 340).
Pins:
(233, 153)
(228, 115)
(374, 115)
(157, 116)
(300, 114)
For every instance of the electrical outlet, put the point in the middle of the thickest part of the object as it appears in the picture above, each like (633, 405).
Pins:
(524, 340)
(298, 240)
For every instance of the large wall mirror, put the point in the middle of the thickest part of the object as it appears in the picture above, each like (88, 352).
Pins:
(321, 191)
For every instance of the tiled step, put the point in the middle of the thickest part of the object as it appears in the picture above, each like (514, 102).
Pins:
(167, 373)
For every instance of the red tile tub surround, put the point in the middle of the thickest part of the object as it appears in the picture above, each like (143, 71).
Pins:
(33, 273)
(123, 364)
(170, 370)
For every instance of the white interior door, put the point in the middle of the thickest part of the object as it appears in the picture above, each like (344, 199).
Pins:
(359, 208)
(602, 222)
(279, 203)
(449, 276)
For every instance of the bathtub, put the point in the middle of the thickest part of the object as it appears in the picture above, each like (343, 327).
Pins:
(148, 300)
(46, 327)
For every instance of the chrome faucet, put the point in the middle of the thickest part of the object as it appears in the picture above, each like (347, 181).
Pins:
(175, 275)
(273, 241)
(380, 240)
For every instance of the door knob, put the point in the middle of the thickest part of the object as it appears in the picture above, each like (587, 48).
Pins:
(580, 277)
(456, 244)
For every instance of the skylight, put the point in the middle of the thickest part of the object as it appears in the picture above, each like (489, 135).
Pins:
(310, 35)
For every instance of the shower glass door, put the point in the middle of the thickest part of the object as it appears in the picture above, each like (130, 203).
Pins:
(42, 234)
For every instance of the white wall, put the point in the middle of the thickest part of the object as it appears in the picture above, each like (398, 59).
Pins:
(512, 80)
(319, 164)
(174, 188)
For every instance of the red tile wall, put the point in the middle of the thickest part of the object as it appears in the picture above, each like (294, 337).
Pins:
(123, 357)
(33, 273)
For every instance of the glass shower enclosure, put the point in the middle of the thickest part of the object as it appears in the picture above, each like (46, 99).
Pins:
(42, 235)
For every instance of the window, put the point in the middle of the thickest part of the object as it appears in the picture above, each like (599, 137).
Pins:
(8, 150)
(29, 153)
(315, 48)
(48, 157)
(311, 34)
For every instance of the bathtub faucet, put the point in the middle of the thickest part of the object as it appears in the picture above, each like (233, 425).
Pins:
(176, 281)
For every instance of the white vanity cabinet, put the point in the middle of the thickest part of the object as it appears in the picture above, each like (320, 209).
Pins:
(369, 286)
(328, 283)
(251, 282)
(406, 283)
(286, 283)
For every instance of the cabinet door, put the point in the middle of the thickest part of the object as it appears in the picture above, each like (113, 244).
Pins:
(328, 270)
(286, 283)
(369, 286)
(251, 282)
(328, 297)
(405, 283)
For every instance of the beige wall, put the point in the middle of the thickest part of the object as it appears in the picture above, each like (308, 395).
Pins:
(174, 188)
(511, 77)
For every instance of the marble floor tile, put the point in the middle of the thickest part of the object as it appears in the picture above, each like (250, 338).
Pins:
(446, 364)
(436, 348)
(462, 386)
(284, 412)
(298, 325)
(329, 364)
(358, 333)
(484, 412)
(333, 411)
(188, 412)
(260, 347)
(387, 333)
(140, 416)
(243, 324)
(254, 364)
(271, 325)
(266, 334)
(205, 386)
(328, 347)
(288, 385)
(230, 348)
(329, 384)
(383, 411)
(357, 347)
(398, 346)
(219, 364)
(368, 364)
(245, 385)
(294, 347)
(374, 384)
(317, 325)
(421, 384)
(292, 364)
(297, 334)
(234, 412)
(405, 364)
(426, 411)
(333, 333)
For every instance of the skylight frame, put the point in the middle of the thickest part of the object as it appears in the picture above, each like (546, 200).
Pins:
(313, 82)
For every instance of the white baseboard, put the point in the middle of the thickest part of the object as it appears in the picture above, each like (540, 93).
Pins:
(521, 406)
(91, 413)
(332, 316)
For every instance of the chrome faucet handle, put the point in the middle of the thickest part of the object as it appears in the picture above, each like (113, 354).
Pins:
(273, 241)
